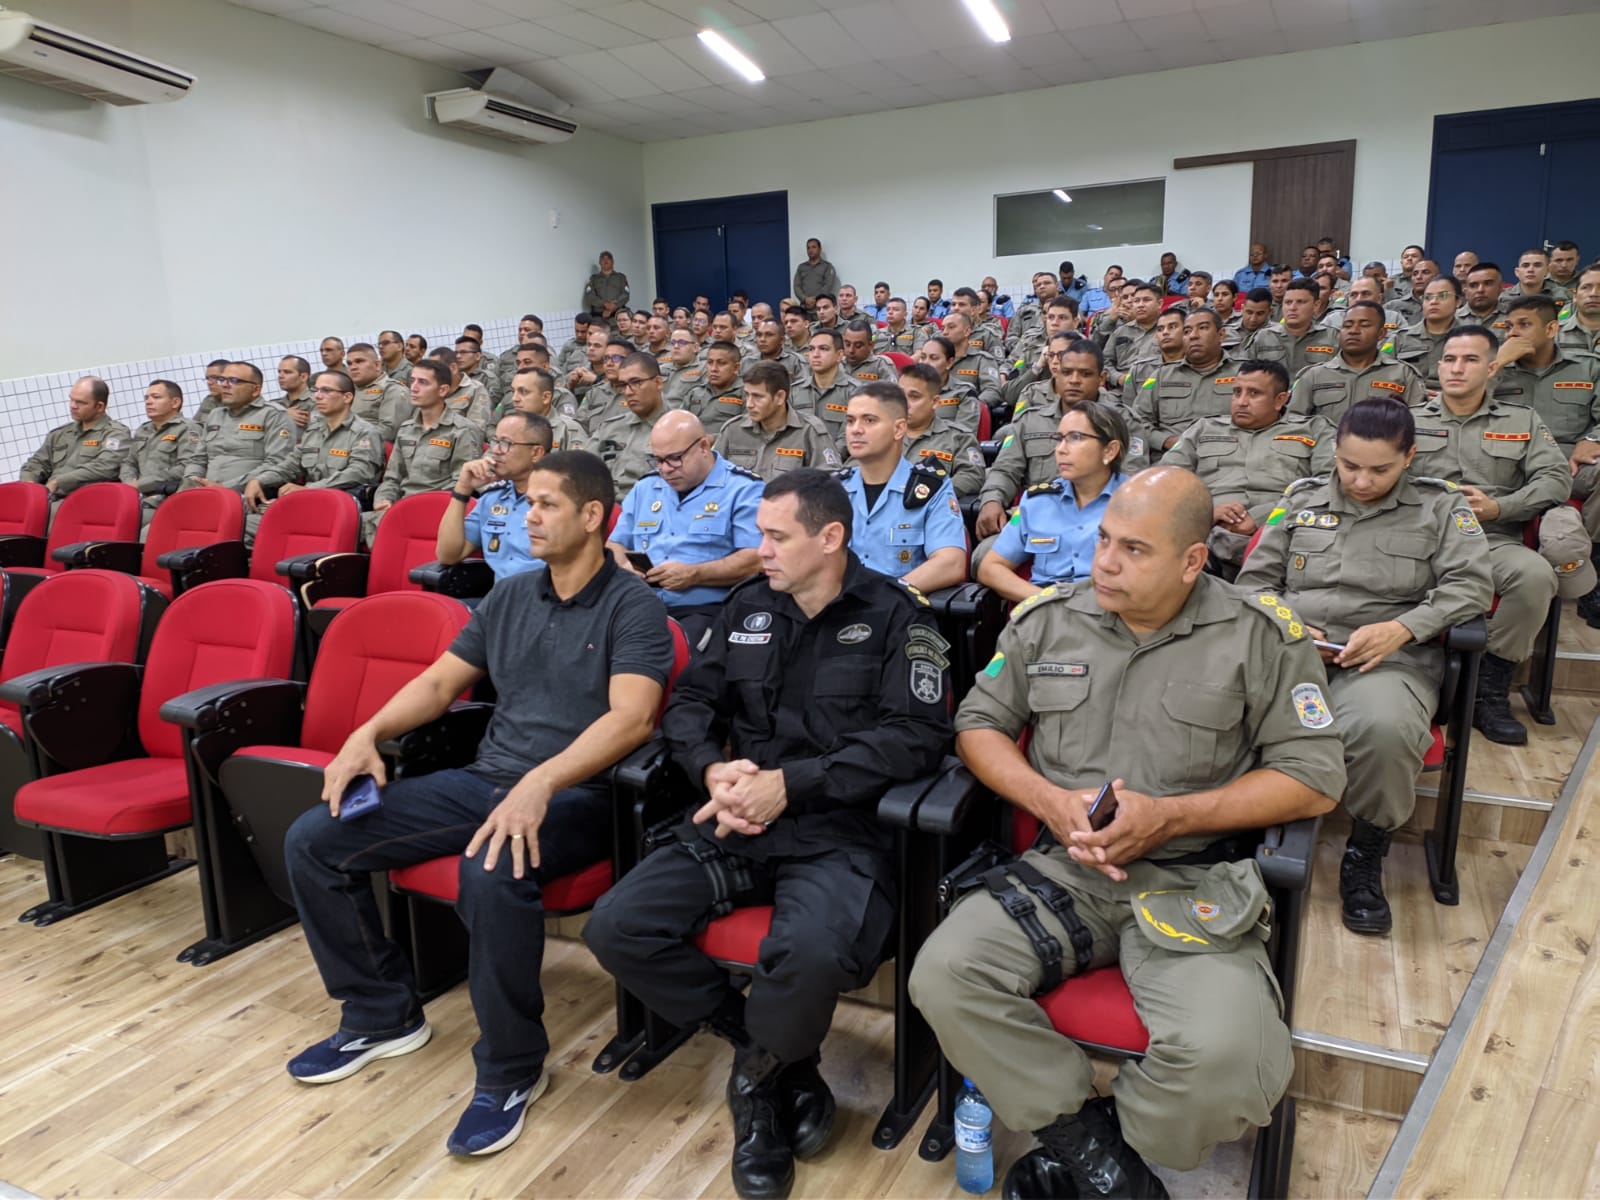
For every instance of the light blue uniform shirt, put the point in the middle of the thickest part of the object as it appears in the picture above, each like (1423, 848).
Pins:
(708, 523)
(1247, 277)
(1054, 532)
(498, 526)
(893, 539)
(1094, 300)
(878, 312)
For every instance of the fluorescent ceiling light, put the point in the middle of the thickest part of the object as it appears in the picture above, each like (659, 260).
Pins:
(989, 19)
(1063, 197)
(728, 53)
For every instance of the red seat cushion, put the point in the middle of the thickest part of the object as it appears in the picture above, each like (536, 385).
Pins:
(1434, 758)
(161, 583)
(294, 754)
(440, 879)
(11, 717)
(1097, 1007)
(336, 602)
(737, 936)
(135, 796)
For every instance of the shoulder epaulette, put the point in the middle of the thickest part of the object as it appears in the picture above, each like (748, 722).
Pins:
(745, 472)
(1430, 481)
(921, 600)
(1279, 614)
(1282, 507)
(924, 481)
(1041, 489)
(1043, 596)
(844, 474)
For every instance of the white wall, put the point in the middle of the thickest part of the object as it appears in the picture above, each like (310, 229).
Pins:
(932, 214)
(297, 191)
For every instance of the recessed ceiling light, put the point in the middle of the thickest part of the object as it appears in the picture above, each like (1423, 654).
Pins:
(1063, 197)
(730, 54)
(989, 19)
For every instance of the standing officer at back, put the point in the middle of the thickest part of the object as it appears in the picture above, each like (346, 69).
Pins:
(245, 444)
(153, 465)
(606, 292)
(1152, 653)
(87, 449)
(822, 686)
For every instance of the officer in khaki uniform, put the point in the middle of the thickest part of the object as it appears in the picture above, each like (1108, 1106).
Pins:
(533, 391)
(860, 363)
(1305, 339)
(1134, 338)
(1249, 456)
(897, 333)
(606, 291)
(772, 437)
(604, 399)
(380, 400)
(153, 465)
(245, 444)
(88, 449)
(1580, 323)
(953, 450)
(429, 448)
(294, 379)
(1357, 372)
(825, 390)
(771, 346)
(338, 449)
(1231, 689)
(623, 439)
(1421, 343)
(719, 397)
(1168, 348)
(682, 372)
(1511, 470)
(1254, 335)
(975, 370)
(1381, 564)
(1180, 393)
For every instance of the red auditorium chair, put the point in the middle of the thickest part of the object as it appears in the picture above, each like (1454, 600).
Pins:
(436, 939)
(24, 509)
(210, 517)
(305, 522)
(76, 617)
(104, 825)
(94, 512)
(245, 805)
(734, 941)
(900, 361)
(1095, 1009)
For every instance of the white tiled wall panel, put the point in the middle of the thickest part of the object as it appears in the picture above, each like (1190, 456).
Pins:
(32, 406)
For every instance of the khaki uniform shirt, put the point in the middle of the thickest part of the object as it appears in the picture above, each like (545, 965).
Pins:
(1328, 389)
(1230, 685)
(907, 341)
(429, 459)
(600, 403)
(1563, 394)
(874, 369)
(979, 372)
(1417, 348)
(1129, 343)
(812, 279)
(401, 374)
(716, 406)
(830, 404)
(1316, 345)
(623, 440)
(1502, 448)
(1551, 288)
(232, 448)
(1253, 466)
(487, 376)
(567, 433)
(790, 362)
(346, 457)
(953, 450)
(73, 455)
(1027, 453)
(802, 441)
(1178, 395)
(988, 338)
(1027, 324)
(154, 462)
(1575, 337)
(1495, 320)
(605, 289)
(1416, 556)
(678, 382)
(1269, 344)
(303, 402)
(386, 403)
(570, 357)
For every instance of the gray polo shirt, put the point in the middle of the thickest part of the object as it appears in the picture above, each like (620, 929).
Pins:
(551, 660)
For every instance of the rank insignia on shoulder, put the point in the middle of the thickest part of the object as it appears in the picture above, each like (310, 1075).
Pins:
(1031, 601)
(915, 594)
(1045, 488)
(1287, 621)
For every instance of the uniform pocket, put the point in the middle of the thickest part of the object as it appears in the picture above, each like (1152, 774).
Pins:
(1409, 558)
(1060, 733)
(1312, 561)
(1204, 723)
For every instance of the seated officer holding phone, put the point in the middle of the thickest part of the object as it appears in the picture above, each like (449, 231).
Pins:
(579, 655)
(1151, 652)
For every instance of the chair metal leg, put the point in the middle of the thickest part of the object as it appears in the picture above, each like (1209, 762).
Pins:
(1542, 673)
(661, 1039)
(84, 872)
(630, 1037)
(1439, 843)
(941, 1132)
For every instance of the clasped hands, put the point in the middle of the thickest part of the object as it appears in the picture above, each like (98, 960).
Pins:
(744, 798)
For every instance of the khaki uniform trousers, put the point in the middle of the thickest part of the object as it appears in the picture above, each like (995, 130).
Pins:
(1219, 1057)
(1386, 718)
(1525, 584)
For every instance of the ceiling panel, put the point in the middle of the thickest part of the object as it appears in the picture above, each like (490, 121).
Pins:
(636, 68)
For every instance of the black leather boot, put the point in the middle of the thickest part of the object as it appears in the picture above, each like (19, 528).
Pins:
(807, 1107)
(1037, 1176)
(1366, 909)
(1492, 717)
(763, 1163)
(1090, 1147)
(1589, 608)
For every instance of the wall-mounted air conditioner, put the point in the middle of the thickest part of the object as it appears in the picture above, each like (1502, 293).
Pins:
(497, 116)
(42, 53)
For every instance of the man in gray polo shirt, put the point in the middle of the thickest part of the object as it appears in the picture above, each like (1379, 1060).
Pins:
(579, 654)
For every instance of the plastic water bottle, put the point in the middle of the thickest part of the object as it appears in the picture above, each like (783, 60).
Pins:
(974, 1150)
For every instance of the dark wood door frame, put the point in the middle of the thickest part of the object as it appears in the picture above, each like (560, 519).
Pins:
(1334, 161)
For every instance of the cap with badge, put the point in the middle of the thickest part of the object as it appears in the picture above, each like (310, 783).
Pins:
(1565, 545)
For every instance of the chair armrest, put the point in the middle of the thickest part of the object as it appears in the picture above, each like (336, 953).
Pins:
(194, 565)
(897, 807)
(1469, 637)
(126, 557)
(1286, 853)
(449, 740)
(79, 714)
(317, 575)
(944, 808)
(263, 704)
(21, 550)
(468, 578)
(637, 770)
(68, 682)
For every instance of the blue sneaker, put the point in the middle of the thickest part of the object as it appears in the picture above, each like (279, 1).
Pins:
(344, 1054)
(494, 1118)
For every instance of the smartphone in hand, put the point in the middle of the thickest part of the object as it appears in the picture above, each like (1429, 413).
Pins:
(360, 797)
(1104, 808)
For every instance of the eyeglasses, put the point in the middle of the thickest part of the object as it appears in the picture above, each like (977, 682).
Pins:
(631, 385)
(672, 461)
(1075, 438)
(229, 381)
(1060, 355)
(613, 358)
(387, 342)
(504, 444)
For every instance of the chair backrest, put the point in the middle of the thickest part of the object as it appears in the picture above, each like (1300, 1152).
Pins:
(322, 520)
(680, 660)
(407, 537)
(96, 512)
(195, 518)
(901, 361)
(1024, 825)
(1251, 544)
(78, 616)
(985, 423)
(24, 508)
(371, 650)
(219, 631)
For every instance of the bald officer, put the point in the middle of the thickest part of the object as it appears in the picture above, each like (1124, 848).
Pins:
(89, 448)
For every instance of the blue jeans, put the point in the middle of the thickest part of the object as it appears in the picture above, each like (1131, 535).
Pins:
(330, 862)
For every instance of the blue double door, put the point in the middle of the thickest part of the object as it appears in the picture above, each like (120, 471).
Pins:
(714, 247)
(1509, 179)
